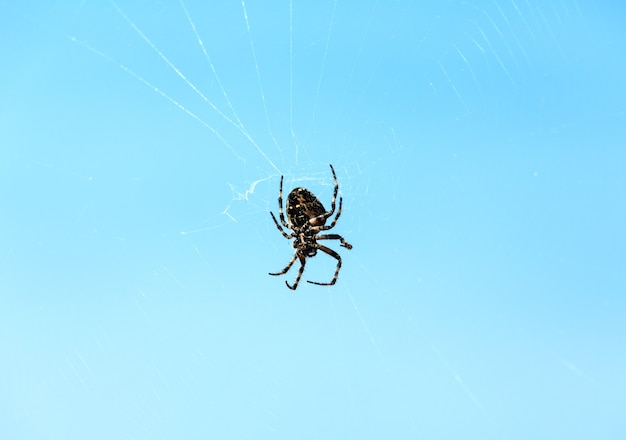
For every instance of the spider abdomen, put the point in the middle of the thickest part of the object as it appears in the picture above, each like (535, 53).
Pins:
(302, 206)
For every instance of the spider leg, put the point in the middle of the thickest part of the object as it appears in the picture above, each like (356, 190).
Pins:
(282, 231)
(287, 267)
(302, 263)
(344, 243)
(332, 207)
(323, 217)
(280, 205)
(333, 254)
(332, 224)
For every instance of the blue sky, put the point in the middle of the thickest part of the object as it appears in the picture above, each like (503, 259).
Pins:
(479, 149)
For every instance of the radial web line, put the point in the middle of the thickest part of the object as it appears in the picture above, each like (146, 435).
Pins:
(495, 54)
(512, 30)
(159, 91)
(239, 125)
(453, 86)
(502, 37)
(215, 75)
(322, 69)
(293, 133)
(171, 65)
(366, 327)
(471, 71)
(193, 87)
(470, 394)
(258, 75)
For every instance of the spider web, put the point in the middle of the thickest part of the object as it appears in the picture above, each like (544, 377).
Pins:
(137, 298)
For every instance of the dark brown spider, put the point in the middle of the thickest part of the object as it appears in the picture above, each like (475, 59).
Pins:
(307, 217)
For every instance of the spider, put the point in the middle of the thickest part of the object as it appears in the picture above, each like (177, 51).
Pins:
(306, 218)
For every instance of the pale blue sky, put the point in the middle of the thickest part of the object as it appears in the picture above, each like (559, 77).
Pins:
(480, 153)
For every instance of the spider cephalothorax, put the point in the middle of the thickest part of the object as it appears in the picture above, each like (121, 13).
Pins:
(306, 218)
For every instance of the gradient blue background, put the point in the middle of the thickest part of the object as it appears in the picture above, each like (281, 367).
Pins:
(480, 148)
